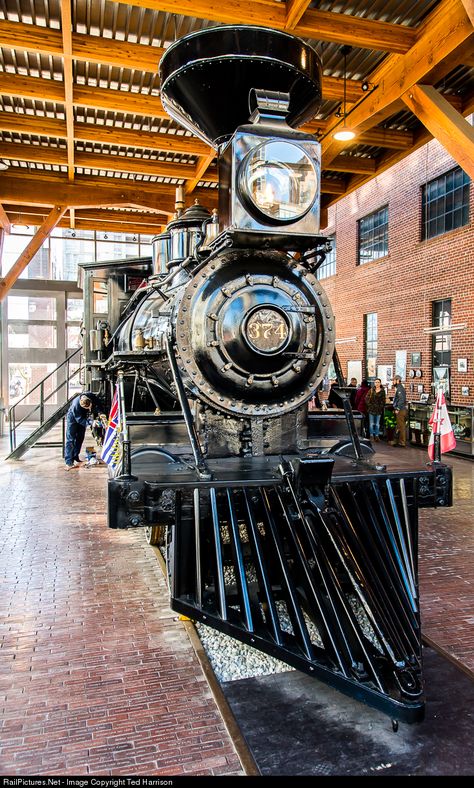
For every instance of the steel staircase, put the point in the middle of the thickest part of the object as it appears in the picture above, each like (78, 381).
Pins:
(45, 424)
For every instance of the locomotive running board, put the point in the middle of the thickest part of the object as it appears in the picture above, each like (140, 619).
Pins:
(322, 576)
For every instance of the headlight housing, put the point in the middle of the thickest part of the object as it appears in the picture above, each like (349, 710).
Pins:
(278, 182)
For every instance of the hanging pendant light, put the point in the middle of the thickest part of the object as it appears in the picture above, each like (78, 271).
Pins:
(344, 134)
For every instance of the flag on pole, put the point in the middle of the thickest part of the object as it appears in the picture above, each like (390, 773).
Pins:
(441, 424)
(112, 446)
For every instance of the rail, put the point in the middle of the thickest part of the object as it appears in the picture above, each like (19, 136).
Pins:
(13, 424)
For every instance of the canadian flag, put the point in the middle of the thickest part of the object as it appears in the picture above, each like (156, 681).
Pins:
(441, 424)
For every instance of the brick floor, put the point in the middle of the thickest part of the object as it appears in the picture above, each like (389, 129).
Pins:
(446, 561)
(96, 675)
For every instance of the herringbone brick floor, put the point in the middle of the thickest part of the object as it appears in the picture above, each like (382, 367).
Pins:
(96, 674)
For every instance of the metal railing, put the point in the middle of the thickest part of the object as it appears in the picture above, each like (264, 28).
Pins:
(13, 424)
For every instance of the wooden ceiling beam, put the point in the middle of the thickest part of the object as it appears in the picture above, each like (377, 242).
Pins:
(151, 140)
(110, 135)
(4, 221)
(201, 172)
(110, 215)
(445, 29)
(128, 102)
(445, 124)
(86, 48)
(21, 123)
(103, 161)
(469, 6)
(88, 192)
(66, 31)
(294, 11)
(332, 186)
(99, 226)
(353, 164)
(43, 232)
(318, 25)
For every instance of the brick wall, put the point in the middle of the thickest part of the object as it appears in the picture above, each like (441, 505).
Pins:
(402, 286)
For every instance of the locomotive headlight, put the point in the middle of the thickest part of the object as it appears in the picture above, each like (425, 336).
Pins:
(278, 181)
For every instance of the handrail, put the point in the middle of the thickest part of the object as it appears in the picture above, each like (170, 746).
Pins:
(13, 424)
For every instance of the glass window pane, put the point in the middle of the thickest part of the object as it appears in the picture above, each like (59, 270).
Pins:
(112, 250)
(448, 193)
(373, 236)
(23, 335)
(100, 304)
(73, 337)
(67, 253)
(31, 308)
(74, 309)
(75, 385)
(14, 245)
(23, 377)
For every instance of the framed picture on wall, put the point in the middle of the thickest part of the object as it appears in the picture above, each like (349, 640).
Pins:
(462, 364)
(416, 359)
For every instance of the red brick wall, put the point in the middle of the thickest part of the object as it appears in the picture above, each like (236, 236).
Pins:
(402, 286)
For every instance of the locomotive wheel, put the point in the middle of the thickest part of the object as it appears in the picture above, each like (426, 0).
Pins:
(155, 534)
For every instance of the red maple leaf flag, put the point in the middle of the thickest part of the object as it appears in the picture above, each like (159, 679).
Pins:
(441, 424)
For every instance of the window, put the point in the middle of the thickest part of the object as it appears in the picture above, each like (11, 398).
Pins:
(445, 203)
(328, 268)
(372, 236)
(370, 344)
(74, 315)
(60, 254)
(441, 342)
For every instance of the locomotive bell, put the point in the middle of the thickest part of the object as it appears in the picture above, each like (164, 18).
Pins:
(188, 231)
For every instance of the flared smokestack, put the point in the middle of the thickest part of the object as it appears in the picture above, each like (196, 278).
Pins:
(206, 78)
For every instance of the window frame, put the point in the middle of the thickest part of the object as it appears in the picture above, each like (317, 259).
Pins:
(385, 224)
(437, 185)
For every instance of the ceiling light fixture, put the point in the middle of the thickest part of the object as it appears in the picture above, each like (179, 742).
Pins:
(3, 165)
(344, 134)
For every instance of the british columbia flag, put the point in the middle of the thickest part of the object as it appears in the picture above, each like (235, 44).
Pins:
(112, 446)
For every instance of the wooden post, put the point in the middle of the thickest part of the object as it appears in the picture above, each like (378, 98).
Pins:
(36, 242)
(444, 123)
(4, 221)
(68, 83)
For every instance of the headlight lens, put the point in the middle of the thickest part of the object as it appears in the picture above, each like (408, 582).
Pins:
(279, 181)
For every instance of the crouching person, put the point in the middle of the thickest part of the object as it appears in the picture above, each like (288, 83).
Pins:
(81, 413)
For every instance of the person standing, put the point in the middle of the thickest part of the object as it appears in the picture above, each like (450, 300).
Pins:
(375, 400)
(353, 385)
(400, 410)
(360, 404)
(80, 414)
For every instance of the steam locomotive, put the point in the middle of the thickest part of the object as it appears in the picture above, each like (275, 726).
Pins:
(268, 513)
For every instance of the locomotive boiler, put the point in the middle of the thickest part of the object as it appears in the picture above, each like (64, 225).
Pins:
(268, 513)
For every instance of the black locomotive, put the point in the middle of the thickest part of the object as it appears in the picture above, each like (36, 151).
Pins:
(269, 514)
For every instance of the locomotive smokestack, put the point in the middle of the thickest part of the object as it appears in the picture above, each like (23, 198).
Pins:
(206, 78)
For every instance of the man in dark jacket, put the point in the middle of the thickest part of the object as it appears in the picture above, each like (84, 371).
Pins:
(400, 410)
(80, 414)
